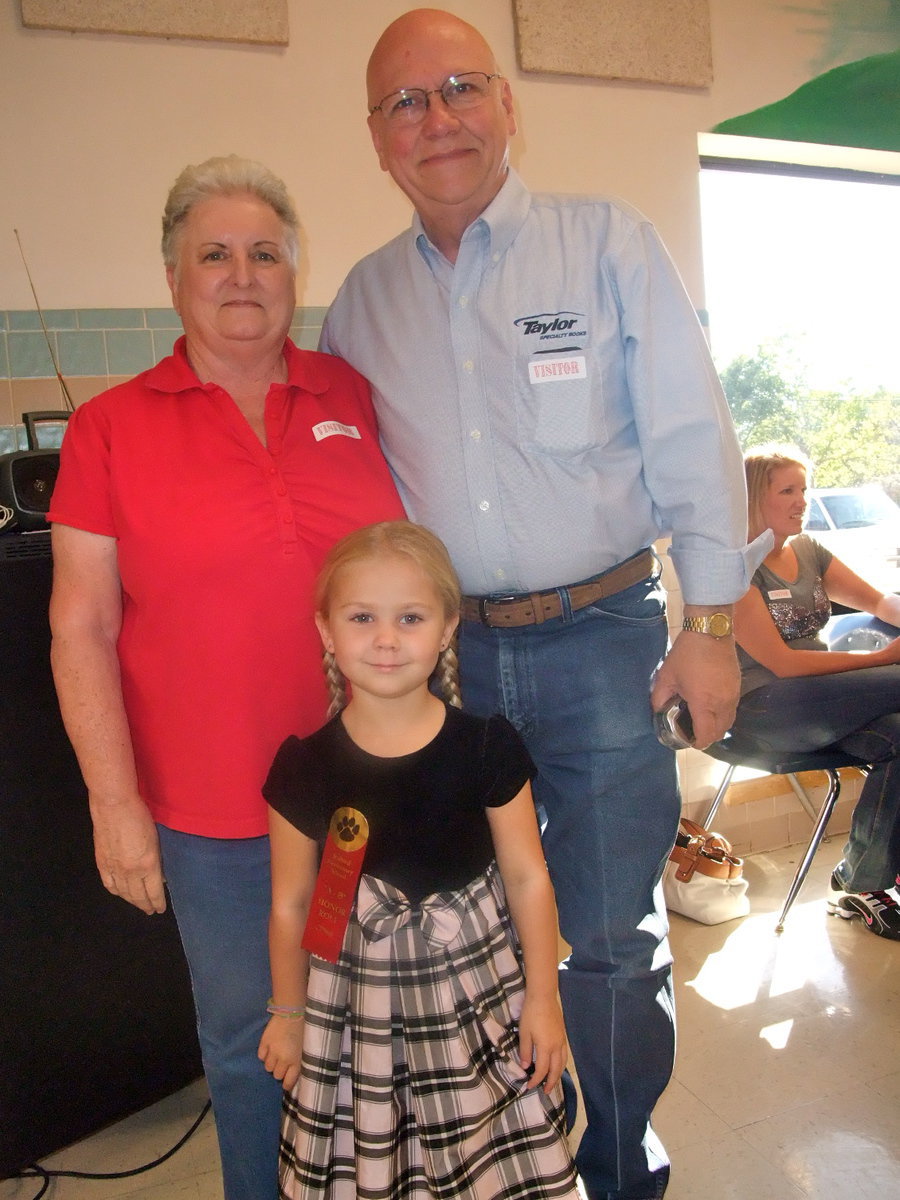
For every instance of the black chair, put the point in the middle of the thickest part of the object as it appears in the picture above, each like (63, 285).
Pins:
(745, 752)
(847, 631)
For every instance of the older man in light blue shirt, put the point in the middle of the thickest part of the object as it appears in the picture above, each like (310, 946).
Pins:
(548, 406)
(555, 408)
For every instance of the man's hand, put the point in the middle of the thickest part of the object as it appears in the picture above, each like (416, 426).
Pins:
(126, 847)
(704, 671)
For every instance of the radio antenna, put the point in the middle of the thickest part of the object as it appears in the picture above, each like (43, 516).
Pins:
(62, 382)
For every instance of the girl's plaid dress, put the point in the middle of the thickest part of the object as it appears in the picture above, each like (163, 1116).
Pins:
(411, 1085)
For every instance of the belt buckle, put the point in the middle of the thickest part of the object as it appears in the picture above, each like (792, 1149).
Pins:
(484, 601)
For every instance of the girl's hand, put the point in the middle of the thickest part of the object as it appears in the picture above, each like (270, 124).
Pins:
(281, 1049)
(542, 1042)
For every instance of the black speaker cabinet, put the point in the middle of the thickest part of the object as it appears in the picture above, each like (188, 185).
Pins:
(27, 478)
(96, 1015)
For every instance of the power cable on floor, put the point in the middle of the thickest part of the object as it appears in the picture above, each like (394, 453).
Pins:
(36, 1171)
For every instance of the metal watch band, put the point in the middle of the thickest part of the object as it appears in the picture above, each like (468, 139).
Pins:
(717, 625)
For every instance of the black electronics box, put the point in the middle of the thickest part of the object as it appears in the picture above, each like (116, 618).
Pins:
(27, 477)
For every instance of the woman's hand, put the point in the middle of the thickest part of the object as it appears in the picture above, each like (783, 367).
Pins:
(542, 1042)
(126, 847)
(888, 655)
(281, 1049)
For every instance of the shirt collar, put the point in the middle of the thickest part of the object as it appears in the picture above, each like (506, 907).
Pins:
(175, 373)
(499, 223)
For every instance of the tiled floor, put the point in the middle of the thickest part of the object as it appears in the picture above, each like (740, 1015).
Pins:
(787, 1084)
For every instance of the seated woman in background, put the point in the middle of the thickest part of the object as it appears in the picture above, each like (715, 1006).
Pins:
(798, 695)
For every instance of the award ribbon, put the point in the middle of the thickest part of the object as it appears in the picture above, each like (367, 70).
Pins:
(333, 895)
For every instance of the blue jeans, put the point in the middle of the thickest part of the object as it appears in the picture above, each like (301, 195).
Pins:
(221, 895)
(859, 711)
(577, 688)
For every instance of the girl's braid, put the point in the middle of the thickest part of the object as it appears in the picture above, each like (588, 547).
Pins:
(447, 672)
(337, 684)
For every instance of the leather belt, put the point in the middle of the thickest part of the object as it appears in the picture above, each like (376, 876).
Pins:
(533, 608)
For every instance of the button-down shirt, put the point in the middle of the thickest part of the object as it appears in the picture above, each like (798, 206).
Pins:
(548, 403)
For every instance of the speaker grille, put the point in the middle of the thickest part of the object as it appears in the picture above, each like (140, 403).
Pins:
(25, 545)
(27, 479)
(34, 480)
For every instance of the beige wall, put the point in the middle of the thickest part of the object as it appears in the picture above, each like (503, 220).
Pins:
(94, 128)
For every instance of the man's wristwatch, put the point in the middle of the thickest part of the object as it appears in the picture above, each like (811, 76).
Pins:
(717, 625)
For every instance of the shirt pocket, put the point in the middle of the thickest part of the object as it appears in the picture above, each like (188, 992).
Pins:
(560, 415)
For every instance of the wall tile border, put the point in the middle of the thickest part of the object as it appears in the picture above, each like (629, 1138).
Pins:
(96, 342)
(95, 349)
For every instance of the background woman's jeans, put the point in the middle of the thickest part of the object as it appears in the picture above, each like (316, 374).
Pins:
(221, 895)
(860, 712)
(577, 688)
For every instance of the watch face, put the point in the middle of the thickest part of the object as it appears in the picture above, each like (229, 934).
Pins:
(719, 625)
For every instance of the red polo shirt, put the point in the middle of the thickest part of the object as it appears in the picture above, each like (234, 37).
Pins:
(219, 542)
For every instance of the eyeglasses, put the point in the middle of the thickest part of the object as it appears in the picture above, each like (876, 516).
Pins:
(459, 92)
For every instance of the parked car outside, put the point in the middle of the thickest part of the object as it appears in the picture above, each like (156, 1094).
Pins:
(861, 525)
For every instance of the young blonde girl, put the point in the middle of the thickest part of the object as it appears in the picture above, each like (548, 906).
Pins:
(426, 1061)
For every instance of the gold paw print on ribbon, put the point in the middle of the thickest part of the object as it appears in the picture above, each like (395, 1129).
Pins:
(349, 829)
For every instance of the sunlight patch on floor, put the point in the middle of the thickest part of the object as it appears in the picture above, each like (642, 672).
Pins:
(756, 962)
(777, 1035)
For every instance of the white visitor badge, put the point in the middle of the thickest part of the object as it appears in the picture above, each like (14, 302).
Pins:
(552, 370)
(329, 428)
(781, 594)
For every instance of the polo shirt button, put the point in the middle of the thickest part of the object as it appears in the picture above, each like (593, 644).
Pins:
(484, 505)
(469, 366)
(463, 301)
(475, 435)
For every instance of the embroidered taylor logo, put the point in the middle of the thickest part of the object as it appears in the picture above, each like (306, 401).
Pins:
(330, 428)
(543, 332)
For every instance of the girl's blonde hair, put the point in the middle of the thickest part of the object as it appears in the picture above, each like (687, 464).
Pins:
(429, 553)
(760, 462)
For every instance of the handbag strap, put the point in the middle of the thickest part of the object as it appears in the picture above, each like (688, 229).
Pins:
(696, 849)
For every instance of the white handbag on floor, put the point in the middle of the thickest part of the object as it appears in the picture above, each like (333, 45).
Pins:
(703, 880)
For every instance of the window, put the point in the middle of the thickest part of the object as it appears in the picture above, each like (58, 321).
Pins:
(802, 272)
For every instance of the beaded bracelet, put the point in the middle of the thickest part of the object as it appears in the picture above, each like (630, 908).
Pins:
(279, 1010)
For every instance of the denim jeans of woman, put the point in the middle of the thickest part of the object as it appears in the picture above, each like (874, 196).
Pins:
(859, 711)
(221, 894)
(577, 688)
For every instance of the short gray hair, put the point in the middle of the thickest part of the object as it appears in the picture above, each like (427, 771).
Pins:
(226, 176)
